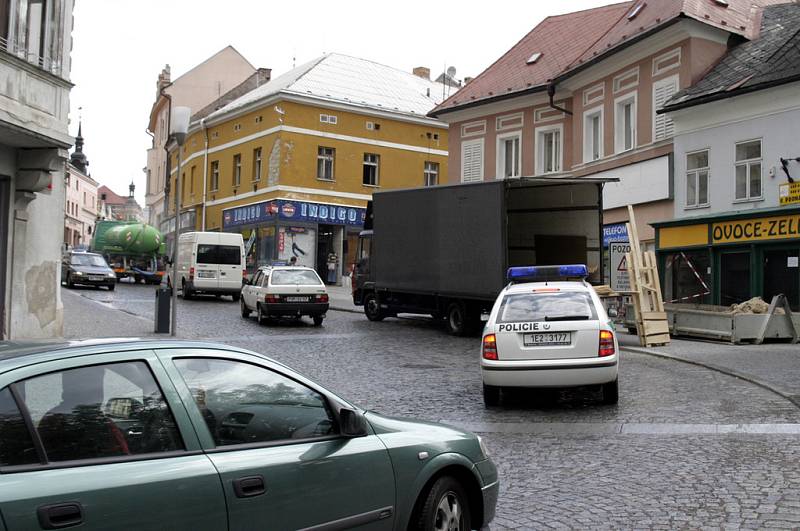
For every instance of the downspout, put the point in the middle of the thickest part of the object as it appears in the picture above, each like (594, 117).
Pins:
(551, 91)
(166, 150)
(205, 171)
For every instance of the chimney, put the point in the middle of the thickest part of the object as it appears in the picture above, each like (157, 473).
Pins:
(467, 80)
(423, 72)
(164, 79)
(264, 75)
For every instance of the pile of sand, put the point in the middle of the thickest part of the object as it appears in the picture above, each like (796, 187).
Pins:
(754, 305)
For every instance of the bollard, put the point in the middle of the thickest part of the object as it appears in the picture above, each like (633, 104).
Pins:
(162, 313)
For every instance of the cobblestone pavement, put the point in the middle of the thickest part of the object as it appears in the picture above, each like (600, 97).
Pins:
(686, 446)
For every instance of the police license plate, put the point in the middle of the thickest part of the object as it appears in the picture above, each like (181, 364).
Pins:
(296, 299)
(546, 338)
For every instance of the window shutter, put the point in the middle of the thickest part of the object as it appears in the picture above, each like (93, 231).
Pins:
(472, 161)
(663, 124)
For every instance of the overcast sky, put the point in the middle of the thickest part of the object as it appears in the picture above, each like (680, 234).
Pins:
(120, 46)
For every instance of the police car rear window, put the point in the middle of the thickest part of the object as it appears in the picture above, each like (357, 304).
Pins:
(547, 306)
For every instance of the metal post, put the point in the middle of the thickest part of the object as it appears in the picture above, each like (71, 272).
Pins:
(174, 322)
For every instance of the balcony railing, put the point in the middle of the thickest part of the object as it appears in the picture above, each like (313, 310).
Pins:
(54, 66)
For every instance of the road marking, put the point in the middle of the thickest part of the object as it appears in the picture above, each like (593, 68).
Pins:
(625, 428)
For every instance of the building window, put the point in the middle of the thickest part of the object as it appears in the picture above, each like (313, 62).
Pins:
(237, 169)
(593, 135)
(237, 127)
(697, 179)
(431, 173)
(472, 160)
(328, 119)
(371, 167)
(548, 149)
(662, 91)
(256, 164)
(191, 180)
(509, 156)
(748, 170)
(77, 183)
(325, 157)
(625, 123)
(84, 198)
(214, 181)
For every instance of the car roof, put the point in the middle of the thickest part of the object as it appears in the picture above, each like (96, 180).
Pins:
(527, 287)
(305, 268)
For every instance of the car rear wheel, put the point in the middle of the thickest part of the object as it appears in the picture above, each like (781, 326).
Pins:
(456, 319)
(262, 317)
(318, 320)
(445, 508)
(245, 309)
(491, 395)
(611, 392)
(372, 309)
(185, 291)
(235, 297)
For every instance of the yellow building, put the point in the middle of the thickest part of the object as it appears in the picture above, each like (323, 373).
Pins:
(292, 164)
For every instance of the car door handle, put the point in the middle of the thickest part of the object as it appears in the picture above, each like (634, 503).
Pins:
(60, 515)
(249, 486)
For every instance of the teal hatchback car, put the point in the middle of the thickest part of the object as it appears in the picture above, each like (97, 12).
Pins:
(187, 435)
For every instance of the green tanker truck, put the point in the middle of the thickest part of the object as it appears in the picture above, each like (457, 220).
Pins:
(133, 250)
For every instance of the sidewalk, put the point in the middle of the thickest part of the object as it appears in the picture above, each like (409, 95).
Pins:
(774, 366)
(341, 299)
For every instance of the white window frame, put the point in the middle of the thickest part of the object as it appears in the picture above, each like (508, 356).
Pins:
(479, 126)
(325, 156)
(539, 147)
(748, 163)
(464, 145)
(669, 80)
(619, 133)
(616, 84)
(430, 168)
(501, 154)
(663, 58)
(213, 182)
(587, 140)
(695, 175)
(376, 163)
(237, 170)
(257, 157)
(510, 121)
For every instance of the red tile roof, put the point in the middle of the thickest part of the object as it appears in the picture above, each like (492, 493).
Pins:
(570, 42)
(111, 197)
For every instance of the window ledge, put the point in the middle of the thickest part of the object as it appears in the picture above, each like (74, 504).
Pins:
(749, 200)
(371, 185)
(326, 180)
(697, 207)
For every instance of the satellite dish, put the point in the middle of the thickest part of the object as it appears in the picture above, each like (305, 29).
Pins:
(451, 71)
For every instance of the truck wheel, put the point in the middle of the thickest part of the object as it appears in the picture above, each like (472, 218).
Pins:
(456, 319)
(372, 309)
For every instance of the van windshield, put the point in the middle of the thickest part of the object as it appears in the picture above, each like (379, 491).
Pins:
(219, 254)
(547, 306)
(286, 277)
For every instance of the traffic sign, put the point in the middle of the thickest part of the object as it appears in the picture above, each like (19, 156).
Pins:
(619, 280)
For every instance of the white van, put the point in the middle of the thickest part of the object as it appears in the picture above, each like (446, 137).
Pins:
(210, 262)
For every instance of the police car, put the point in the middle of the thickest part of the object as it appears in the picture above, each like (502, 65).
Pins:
(548, 328)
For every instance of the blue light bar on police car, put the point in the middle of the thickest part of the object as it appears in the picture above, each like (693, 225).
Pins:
(544, 273)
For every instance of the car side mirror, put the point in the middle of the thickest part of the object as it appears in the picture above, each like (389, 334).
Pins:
(612, 312)
(352, 423)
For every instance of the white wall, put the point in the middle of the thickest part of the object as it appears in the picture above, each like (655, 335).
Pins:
(640, 182)
(772, 115)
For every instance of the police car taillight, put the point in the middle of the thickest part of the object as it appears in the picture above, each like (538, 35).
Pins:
(490, 347)
(545, 273)
(606, 343)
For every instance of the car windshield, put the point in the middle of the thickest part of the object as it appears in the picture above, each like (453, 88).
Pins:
(547, 306)
(94, 260)
(283, 277)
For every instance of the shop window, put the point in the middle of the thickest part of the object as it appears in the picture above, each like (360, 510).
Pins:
(213, 183)
(256, 164)
(509, 156)
(325, 159)
(431, 173)
(687, 277)
(697, 179)
(371, 169)
(748, 170)
(237, 169)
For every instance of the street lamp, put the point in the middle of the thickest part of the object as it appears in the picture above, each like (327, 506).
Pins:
(178, 128)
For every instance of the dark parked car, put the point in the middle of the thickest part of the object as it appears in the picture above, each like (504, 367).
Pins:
(198, 436)
(88, 269)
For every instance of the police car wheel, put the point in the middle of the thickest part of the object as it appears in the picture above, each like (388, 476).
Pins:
(491, 395)
(611, 392)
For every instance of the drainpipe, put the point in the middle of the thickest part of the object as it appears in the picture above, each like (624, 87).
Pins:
(166, 150)
(551, 91)
(205, 171)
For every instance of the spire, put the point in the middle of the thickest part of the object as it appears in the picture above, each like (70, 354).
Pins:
(78, 158)
(131, 189)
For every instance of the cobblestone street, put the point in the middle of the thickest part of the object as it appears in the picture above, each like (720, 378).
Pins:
(686, 446)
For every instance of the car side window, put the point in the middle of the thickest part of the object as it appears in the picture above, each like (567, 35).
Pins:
(244, 403)
(257, 278)
(100, 411)
(265, 280)
(16, 443)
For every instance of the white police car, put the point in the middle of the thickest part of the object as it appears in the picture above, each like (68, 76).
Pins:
(546, 330)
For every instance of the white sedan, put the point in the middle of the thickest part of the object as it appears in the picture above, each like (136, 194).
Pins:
(285, 291)
(550, 332)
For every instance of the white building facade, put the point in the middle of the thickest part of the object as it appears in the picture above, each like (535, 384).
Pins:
(35, 67)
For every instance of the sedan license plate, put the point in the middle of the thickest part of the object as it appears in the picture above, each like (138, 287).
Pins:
(96, 277)
(546, 339)
(296, 299)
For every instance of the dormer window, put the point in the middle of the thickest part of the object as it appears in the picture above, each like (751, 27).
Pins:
(533, 58)
(636, 10)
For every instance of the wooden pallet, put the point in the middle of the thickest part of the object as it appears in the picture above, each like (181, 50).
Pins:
(651, 319)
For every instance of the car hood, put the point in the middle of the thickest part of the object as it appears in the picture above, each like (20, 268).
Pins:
(92, 270)
(436, 438)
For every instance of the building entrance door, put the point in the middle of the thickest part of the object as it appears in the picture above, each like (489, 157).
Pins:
(734, 277)
(782, 275)
(325, 246)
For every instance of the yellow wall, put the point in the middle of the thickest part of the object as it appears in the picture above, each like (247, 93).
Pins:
(292, 156)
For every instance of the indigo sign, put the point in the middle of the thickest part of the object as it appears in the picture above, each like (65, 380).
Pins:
(293, 211)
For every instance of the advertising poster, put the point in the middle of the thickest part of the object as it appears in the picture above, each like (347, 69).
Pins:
(300, 242)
